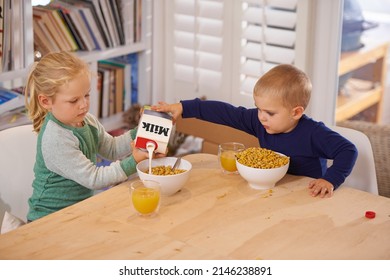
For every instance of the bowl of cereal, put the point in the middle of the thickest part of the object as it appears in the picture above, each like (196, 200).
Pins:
(170, 181)
(261, 168)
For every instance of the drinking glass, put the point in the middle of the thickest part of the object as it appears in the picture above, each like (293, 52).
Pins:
(227, 156)
(145, 197)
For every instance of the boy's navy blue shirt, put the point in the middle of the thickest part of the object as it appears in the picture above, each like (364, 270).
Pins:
(308, 145)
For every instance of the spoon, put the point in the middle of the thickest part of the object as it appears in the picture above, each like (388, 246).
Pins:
(177, 163)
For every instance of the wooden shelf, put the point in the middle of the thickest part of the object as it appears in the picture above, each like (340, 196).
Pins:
(370, 53)
(356, 99)
(362, 94)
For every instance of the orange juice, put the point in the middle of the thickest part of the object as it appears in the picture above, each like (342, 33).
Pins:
(145, 200)
(228, 161)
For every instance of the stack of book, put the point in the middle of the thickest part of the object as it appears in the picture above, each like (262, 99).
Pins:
(12, 108)
(117, 84)
(10, 100)
(86, 25)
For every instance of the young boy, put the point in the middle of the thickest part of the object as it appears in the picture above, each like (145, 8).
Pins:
(278, 121)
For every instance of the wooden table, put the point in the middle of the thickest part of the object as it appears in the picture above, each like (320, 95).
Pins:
(215, 216)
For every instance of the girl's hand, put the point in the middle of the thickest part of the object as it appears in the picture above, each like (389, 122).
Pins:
(140, 155)
(175, 109)
(321, 187)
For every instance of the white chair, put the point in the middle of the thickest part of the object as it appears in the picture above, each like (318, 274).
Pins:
(363, 175)
(17, 158)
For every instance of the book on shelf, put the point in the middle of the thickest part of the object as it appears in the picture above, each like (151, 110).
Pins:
(116, 86)
(1, 34)
(92, 15)
(13, 118)
(64, 13)
(110, 22)
(46, 21)
(99, 86)
(126, 8)
(70, 19)
(10, 100)
(86, 24)
(104, 98)
(12, 56)
(79, 22)
(17, 35)
(131, 59)
(60, 27)
(42, 42)
(117, 20)
(95, 8)
(64, 28)
(92, 28)
(126, 66)
(138, 21)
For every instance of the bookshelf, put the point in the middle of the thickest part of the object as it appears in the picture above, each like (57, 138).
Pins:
(11, 78)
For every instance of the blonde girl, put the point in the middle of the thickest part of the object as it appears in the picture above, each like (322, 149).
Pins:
(70, 138)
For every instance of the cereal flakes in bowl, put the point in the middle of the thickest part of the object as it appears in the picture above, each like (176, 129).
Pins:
(261, 168)
(171, 182)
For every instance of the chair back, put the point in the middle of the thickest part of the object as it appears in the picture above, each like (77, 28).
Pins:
(17, 158)
(363, 175)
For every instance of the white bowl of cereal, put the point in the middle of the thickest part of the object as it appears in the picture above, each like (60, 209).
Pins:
(261, 168)
(170, 182)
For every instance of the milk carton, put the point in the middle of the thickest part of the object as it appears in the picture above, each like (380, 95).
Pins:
(155, 127)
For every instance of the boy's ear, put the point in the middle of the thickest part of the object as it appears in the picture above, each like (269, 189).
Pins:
(44, 101)
(297, 112)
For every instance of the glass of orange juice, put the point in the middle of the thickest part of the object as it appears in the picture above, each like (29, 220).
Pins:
(145, 197)
(227, 156)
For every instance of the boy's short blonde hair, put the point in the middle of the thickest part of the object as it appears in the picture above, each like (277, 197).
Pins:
(287, 83)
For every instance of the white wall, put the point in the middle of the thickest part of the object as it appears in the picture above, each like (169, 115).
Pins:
(323, 61)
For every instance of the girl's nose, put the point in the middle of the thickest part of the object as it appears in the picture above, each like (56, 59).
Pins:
(84, 102)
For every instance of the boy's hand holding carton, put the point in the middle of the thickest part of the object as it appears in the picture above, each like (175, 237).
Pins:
(155, 127)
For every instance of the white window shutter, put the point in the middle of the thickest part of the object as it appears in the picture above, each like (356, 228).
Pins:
(197, 47)
(219, 48)
(268, 37)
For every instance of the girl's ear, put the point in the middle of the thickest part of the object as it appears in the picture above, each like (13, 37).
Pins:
(297, 112)
(45, 102)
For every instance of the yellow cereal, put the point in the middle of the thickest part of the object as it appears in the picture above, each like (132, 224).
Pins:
(162, 170)
(261, 158)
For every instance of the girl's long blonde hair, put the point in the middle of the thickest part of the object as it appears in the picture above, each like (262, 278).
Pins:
(45, 77)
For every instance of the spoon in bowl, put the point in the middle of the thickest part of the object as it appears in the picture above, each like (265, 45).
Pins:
(177, 163)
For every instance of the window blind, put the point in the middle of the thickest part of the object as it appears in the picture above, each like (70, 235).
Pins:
(267, 39)
(219, 48)
(198, 41)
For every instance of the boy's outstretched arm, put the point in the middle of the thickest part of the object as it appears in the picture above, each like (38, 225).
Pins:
(176, 109)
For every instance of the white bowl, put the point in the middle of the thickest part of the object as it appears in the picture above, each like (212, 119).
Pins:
(262, 179)
(170, 184)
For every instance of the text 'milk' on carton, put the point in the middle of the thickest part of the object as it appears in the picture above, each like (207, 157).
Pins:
(154, 127)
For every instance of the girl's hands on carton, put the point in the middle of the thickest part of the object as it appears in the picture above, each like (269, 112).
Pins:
(321, 187)
(140, 155)
(175, 109)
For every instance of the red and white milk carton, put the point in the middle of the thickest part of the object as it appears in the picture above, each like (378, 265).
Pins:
(155, 127)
